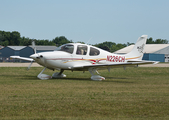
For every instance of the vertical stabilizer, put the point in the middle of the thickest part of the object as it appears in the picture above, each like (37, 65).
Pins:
(138, 49)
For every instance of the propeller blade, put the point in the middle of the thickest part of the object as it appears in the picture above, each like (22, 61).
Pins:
(29, 65)
(34, 47)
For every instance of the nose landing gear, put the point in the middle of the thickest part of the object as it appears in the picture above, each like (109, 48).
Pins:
(55, 75)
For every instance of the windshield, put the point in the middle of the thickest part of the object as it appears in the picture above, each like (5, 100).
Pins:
(66, 48)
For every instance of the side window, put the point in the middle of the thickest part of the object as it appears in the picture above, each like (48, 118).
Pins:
(94, 51)
(66, 48)
(81, 50)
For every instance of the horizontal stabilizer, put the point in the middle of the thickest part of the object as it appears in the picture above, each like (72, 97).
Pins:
(143, 61)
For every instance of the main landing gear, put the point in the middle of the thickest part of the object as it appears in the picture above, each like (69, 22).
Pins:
(95, 77)
(58, 75)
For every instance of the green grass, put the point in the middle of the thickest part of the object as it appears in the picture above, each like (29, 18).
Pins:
(134, 93)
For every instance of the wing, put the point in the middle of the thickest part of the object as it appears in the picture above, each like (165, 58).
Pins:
(103, 66)
(22, 58)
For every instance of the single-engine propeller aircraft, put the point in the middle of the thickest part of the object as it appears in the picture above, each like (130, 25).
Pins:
(83, 57)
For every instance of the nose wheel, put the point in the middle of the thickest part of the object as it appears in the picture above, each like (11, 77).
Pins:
(55, 75)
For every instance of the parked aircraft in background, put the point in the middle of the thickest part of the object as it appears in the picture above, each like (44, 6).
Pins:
(83, 57)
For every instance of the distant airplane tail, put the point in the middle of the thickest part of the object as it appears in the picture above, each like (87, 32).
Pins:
(138, 49)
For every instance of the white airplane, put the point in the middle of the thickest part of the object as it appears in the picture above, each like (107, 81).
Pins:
(83, 57)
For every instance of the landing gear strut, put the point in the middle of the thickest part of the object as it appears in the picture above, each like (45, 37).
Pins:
(44, 76)
(58, 75)
(95, 77)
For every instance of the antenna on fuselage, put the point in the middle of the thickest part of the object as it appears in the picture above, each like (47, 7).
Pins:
(89, 40)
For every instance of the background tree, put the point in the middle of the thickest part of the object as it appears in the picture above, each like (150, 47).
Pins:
(161, 41)
(128, 43)
(157, 41)
(61, 40)
(150, 41)
(15, 38)
(106, 45)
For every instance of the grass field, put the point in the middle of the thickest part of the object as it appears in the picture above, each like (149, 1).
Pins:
(134, 93)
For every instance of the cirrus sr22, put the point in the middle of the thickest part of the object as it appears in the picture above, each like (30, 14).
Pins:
(83, 57)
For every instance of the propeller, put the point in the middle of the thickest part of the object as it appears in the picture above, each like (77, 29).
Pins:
(30, 65)
(37, 56)
(33, 45)
(34, 48)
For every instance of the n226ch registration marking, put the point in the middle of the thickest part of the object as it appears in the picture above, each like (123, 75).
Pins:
(115, 58)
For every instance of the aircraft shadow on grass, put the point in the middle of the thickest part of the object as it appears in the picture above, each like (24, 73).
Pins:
(111, 79)
(32, 77)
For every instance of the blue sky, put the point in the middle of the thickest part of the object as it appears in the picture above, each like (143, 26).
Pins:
(96, 21)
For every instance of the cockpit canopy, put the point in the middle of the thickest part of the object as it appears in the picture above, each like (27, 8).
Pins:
(81, 49)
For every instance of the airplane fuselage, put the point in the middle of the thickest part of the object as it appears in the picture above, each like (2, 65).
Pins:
(67, 60)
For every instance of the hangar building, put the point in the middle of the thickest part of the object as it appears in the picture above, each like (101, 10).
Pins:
(154, 52)
(23, 51)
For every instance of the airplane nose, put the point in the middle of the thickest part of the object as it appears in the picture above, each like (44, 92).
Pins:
(34, 56)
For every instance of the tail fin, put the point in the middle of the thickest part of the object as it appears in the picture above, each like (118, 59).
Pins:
(138, 49)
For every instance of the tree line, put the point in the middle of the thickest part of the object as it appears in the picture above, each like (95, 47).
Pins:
(14, 39)
(112, 47)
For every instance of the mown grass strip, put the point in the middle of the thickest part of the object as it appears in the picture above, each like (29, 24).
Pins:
(134, 93)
